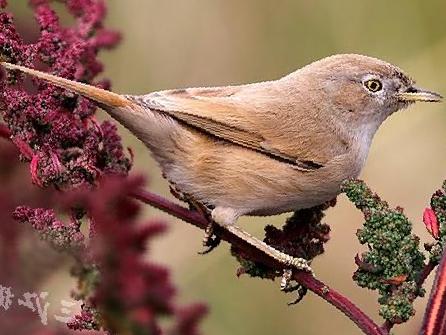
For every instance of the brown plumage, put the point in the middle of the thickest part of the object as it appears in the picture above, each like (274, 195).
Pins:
(269, 147)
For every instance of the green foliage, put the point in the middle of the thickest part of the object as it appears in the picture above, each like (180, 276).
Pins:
(438, 204)
(393, 261)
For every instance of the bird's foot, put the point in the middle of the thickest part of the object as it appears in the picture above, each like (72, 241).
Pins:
(286, 279)
(285, 286)
(219, 216)
(210, 239)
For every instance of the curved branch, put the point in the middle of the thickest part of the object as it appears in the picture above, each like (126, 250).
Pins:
(363, 321)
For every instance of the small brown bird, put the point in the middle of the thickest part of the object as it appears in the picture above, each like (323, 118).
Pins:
(264, 148)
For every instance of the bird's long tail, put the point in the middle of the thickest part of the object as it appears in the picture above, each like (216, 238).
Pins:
(101, 96)
(152, 128)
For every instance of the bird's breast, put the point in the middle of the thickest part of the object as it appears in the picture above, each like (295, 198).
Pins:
(226, 175)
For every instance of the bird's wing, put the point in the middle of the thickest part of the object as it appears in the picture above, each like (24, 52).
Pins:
(213, 111)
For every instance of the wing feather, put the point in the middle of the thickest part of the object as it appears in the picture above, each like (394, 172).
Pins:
(211, 113)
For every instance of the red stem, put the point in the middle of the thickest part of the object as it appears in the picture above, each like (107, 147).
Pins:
(428, 268)
(363, 321)
(387, 327)
(435, 317)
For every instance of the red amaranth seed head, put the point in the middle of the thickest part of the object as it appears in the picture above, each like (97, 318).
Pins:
(54, 129)
(131, 293)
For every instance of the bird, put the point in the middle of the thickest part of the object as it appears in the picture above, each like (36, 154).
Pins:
(264, 148)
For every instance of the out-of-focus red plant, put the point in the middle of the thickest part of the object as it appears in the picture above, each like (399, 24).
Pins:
(128, 293)
(20, 273)
(57, 133)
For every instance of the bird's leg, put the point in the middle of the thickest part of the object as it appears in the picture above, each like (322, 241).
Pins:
(210, 241)
(226, 218)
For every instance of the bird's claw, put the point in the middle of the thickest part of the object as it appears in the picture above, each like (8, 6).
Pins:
(286, 279)
(210, 240)
(301, 292)
(286, 287)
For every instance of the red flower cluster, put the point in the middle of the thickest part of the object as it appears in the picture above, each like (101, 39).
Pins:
(20, 272)
(61, 236)
(56, 132)
(130, 293)
(52, 128)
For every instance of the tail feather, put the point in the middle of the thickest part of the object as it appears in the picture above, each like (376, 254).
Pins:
(152, 128)
(97, 94)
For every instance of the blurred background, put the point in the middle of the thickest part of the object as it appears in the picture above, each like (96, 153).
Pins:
(183, 43)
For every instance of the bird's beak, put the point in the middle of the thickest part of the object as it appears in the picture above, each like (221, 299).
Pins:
(414, 94)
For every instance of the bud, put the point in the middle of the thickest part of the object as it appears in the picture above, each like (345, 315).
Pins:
(431, 222)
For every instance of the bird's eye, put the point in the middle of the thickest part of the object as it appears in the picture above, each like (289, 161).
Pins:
(373, 85)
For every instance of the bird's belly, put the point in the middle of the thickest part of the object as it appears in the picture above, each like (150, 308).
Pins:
(304, 195)
(273, 205)
(309, 189)
(254, 184)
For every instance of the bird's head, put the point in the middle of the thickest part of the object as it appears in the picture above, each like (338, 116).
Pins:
(364, 89)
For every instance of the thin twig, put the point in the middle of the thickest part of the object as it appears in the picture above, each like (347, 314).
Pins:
(434, 316)
(363, 321)
(387, 327)
(428, 268)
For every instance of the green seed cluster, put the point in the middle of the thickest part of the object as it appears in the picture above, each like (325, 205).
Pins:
(393, 260)
(438, 204)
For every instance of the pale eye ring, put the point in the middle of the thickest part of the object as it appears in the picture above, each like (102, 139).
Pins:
(373, 85)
